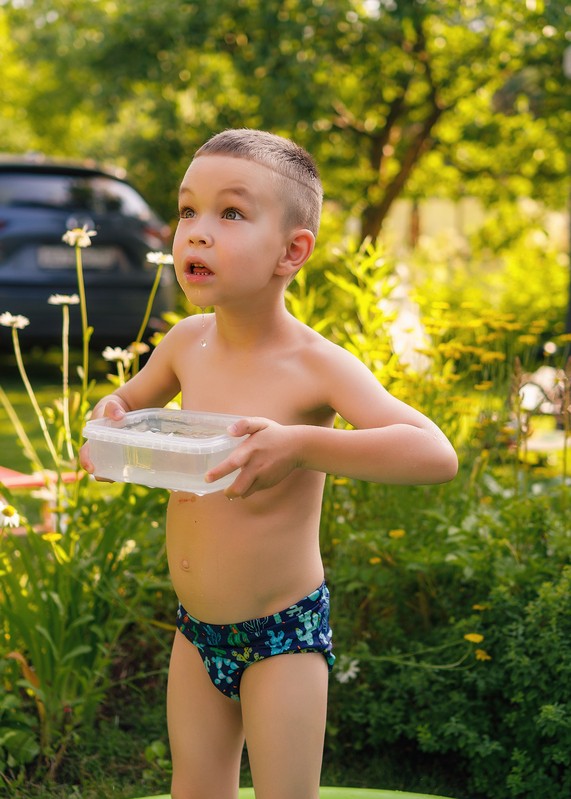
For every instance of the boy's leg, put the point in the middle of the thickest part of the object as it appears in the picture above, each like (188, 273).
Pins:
(284, 705)
(205, 729)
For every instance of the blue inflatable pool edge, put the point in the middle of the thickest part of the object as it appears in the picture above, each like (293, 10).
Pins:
(340, 793)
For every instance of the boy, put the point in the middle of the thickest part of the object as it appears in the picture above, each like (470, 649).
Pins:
(250, 204)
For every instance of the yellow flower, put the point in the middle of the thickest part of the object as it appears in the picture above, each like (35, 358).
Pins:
(485, 385)
(481, 654)
(79, 236)
(9, 320)
(527, 339)
(52, 537)
(489, 357)
(474, 638)
(374, 561)
(397, 533)
(480, 607)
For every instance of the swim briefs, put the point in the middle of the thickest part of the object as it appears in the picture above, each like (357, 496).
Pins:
(228, 649)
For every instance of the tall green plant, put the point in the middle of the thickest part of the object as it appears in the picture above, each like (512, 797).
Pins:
(68, 590)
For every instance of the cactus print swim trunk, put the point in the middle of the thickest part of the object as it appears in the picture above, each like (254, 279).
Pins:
(228, 649)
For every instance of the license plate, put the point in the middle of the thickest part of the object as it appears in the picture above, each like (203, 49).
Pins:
(91, 257)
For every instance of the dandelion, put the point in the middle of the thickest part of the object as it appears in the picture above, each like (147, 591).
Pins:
(9, 517)
(347, 669)
(63, 299)
(485, 385)
(374, 561)
(481, 654)
(474, 638)
(15, 322)
(478, 606)
(79, 237)
(397, 533)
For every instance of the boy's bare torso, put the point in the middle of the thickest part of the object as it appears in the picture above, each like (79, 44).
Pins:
(241, 559)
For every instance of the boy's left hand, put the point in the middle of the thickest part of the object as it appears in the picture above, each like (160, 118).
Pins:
(268, 455)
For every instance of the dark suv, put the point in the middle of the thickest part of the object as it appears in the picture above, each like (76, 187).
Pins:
(39, 200)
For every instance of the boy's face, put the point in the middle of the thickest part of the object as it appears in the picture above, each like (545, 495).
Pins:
(230, 234)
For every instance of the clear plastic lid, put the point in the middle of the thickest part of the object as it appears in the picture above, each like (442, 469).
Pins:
(191, 432)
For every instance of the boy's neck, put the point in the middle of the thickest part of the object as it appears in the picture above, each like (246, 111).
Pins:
(250, 329)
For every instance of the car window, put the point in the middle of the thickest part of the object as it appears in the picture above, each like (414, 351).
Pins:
(96, 194)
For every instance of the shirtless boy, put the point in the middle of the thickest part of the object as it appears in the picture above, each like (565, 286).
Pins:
(245, 562)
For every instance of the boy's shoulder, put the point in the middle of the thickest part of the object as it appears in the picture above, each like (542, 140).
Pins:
(321, 351)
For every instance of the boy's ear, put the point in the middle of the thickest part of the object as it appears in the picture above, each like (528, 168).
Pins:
(298, 249)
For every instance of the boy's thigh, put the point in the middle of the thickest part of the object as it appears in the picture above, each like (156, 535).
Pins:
(205, 729)
(284, 707)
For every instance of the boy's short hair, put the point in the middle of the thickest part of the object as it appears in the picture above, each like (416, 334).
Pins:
(298, 183)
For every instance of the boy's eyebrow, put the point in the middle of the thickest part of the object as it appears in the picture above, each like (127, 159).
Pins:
(238, 190)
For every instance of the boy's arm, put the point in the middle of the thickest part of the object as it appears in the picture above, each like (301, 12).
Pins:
(152, 387)
(392, 442)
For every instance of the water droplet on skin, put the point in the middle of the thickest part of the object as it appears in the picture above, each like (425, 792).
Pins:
(203, 340)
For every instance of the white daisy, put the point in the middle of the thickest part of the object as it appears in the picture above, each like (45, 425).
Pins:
(159, 258)
(79, 236)
(9, 517)
(9, 320)
(118, 355)
(63, 299)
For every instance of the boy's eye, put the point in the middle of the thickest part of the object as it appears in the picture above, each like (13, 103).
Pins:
(232, 213)
(186, 213)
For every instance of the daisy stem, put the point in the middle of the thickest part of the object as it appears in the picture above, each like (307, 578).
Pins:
(32, 396)
(85, 330)
(27, 446)
(65, 380)
(147, 315)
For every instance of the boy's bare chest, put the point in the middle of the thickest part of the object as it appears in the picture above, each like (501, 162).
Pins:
(278, 389)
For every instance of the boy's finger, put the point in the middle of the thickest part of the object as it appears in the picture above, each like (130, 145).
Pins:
(244, 427)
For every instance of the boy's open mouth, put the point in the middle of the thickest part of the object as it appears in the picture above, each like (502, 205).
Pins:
(199, 269)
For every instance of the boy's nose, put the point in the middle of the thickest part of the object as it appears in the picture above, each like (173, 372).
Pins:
(200, 237)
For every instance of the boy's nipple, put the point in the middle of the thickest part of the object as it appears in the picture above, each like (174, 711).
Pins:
(184, 565)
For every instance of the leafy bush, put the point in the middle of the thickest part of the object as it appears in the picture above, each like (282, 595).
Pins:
(504, 714)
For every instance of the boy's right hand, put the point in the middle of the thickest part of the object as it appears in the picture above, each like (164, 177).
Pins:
(111, 408)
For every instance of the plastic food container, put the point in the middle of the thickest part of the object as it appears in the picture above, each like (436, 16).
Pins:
(162, 448)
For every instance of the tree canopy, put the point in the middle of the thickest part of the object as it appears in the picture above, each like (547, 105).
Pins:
(393, 97)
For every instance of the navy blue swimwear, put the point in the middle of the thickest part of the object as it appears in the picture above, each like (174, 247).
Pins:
(228, 649)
